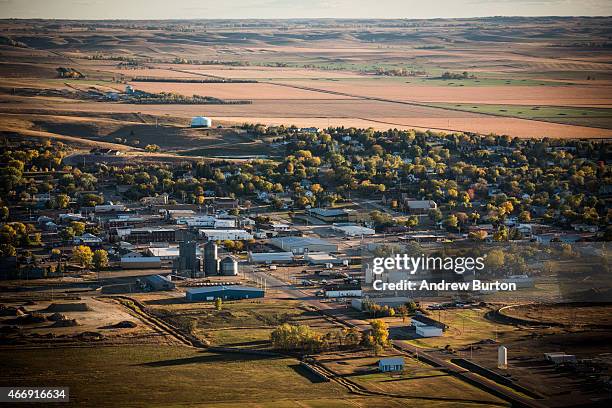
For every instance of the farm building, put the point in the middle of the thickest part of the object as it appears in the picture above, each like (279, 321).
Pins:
(201, 122)
(353, 230)
(225, 234)
(236, 292)
(391, 364)
(270, 257)
(159, 282)
(301, 245)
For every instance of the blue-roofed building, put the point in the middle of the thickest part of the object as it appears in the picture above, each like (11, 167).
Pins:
(391, 364)
(233, 292)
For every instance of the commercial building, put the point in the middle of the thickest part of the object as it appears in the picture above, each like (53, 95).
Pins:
(391, 364)
(352, 230)
(225, 234)
(145, 235)
(209, 293)
(270, 257)
(301, 245)
(207, 221)
(332, 214)
(201, 122)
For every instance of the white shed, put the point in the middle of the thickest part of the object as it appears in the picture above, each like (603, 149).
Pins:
(201, 121)
(429, 331)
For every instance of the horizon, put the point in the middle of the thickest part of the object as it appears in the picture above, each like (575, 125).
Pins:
(141, 10)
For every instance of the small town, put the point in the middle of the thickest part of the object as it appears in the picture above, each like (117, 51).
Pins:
(285, 204)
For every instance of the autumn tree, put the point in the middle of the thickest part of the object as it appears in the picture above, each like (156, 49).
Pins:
(82, 255)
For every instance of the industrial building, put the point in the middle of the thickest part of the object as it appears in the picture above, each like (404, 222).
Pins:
(270, 257)
(391, 364)
(225, 234)
(201, 122)
(351, 230)
(301, 245)
(323, 258)
(188, 262)
(146, 235)
(332, 214)
(168, 253)
(158, 282)
(207, 221)
(140, 262)
(237, 292)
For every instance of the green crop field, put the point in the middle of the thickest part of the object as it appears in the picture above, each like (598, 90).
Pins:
(598, 117)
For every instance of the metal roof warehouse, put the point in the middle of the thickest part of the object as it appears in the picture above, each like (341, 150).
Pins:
(300, 245)
(234, 292)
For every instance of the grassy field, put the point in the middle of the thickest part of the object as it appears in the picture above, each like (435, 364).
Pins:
(241, 324)
(466, 326)
(419, 380)
(166, 376)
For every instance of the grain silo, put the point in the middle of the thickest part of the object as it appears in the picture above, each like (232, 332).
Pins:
(201, 122)
(211, 259)
(228, 266)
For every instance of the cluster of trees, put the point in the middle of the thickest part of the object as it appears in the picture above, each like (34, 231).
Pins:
(454, 75)
(302, 338)
(16, 234)
(84, 256)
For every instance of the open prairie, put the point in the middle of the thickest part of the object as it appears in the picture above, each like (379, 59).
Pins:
(524, 77)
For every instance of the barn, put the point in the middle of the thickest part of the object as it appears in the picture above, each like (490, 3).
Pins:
(234, 292)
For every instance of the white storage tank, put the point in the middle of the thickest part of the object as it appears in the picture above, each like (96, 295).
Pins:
(502, 357)
(201, 121)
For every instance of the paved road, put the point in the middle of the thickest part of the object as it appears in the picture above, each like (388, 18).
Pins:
(459, 372)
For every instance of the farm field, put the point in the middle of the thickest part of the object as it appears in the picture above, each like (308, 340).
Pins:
(389, 75)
